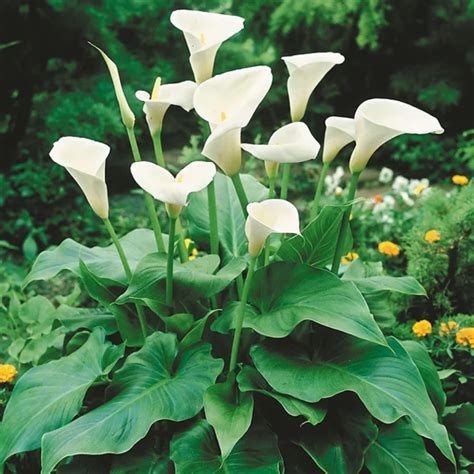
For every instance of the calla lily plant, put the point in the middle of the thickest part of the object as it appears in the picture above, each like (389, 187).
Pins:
(164, 363)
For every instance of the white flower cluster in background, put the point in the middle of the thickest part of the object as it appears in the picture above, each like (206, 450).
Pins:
(333, 181)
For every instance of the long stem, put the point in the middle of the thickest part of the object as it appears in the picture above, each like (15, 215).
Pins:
(118, 246)
(285, 180)
(182, 250)
(271, 194)
(128, 271)
(319, 190)
(212, 205)
(148, 199)
(169, 265)
(241, 315)
(239, 189)
(150, 205)
(344, 224)
(160, 159)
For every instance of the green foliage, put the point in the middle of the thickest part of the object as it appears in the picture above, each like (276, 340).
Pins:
(445, 267)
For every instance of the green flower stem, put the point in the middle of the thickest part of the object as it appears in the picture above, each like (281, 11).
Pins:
(271, 194)
(160, 159)
(128, 271)
(182, 250)
(169, 265)
(239, 189)
(345, 223)
(319, 190)
(214, 236)
(118, 246)
(241, 314)
(150, 205)
(271, 188)
(285, 180)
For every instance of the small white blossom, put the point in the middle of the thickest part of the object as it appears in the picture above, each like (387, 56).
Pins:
(386, 175)
(400, 183)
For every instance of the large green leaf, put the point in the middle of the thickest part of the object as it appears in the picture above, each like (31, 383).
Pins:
(196, 451)
(49, 396)
(385, 379)
(339, 443)
(102, 261)
(399, 450)
(285, 294)
(317, 243)
(127, 321)
(155, 383)
(429, 374)
(377, 287)
(190, 280)
(251, 381)
(229, 214)
(229, 412)
(368, 282)
(74, 319)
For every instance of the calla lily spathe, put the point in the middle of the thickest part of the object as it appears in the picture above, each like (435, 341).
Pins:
(162, 96)
(128, 117)
(379, 120)
(292, 143)
(173, 191)
(204, 32)
(306, 72)
(84, 159)
(267, 217)
(340, 131)
(227, 102)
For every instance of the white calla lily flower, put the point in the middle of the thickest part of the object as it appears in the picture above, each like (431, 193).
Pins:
(267, 217)
(128, 117)
(84, 159)
(173, 191)
(204, 32)
(379, 120)
(162, 96)
(306, 72)
(292, 143)
(340, 131)
(227, 102)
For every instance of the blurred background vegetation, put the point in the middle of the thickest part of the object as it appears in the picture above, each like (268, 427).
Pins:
(52, 83)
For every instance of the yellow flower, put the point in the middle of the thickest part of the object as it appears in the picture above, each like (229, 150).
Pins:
(194, 254)
(389, 248)
(465, 336)
(187, 242)
(7, 373)
(350, 257)
(460, 180)
(432, 236)
(422, 328)
(446, 329)
(420, 188)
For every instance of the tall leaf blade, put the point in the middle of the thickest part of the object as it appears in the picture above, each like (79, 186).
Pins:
(286, 294)
(317, 243)
(385, 379)
(154, 384)
(102, 261)
(50, 395)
